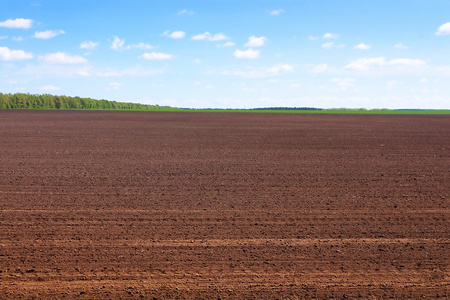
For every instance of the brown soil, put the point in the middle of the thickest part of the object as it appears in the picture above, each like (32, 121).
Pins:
(98, 205)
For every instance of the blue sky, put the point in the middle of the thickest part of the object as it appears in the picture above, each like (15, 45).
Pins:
(230, 54)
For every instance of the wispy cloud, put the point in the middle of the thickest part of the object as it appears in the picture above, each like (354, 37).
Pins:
(254, 41)
(344, 83)
(319, 68)
(62, 58)
(48, 88)
(280, 69)
(247, 54)
(185, 12)
(115, 85)
(7, 54)
(362, 46)
(276, 12)
(400, 46)
(119, 45)
(210, 37)
(89, 45)
(330, 45)
(156, 56)
(363, 64)
(47, 34)
(227, 44)
(333, 36)
(17, 23)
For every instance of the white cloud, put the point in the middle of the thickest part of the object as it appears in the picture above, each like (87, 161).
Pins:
(328, 45)
(249, 54)
(367, 63)
(156, 56)
(3, 37)
(280, 68)
(209, 37)
(333, 36)
(63, 58)
(17, 23)
(89, 45)
(423, 80)
(115, 85)
(139, 46)
(227, 44)
(344, 83)
(276, 12)
(444, 29)
(197, 61)
(250, 72)
(47, 34)
(12, 55)
(49, 88)
(175, 34)
(320, 68)
(17, 38)
(117, 44)
(185, 12)
(400, 46)
(295, 85)
(362, 46)
(254, 41)
(313, 38)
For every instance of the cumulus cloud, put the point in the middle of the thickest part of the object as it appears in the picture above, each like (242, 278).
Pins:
(248, 54)
(63, 58)
(362, 46)
(89, 45)
(117, 43)
(276, 12)
(254, 41)
(333, 36)
(47, 34)
(175, 34)
(363, 64)
(7, 54)
(156, 56)
(3, 37)
(444, 29)
(210, 37)
(17, 23)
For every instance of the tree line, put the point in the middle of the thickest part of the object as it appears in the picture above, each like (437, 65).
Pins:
(47, 101)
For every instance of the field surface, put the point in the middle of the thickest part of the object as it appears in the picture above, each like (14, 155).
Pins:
(141, 205)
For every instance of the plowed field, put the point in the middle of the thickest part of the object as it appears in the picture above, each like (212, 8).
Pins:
(102, 205)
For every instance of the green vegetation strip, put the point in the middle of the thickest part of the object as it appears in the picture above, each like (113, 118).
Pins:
(46, 101)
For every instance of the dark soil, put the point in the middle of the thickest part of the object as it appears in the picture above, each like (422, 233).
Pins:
(138, 205)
